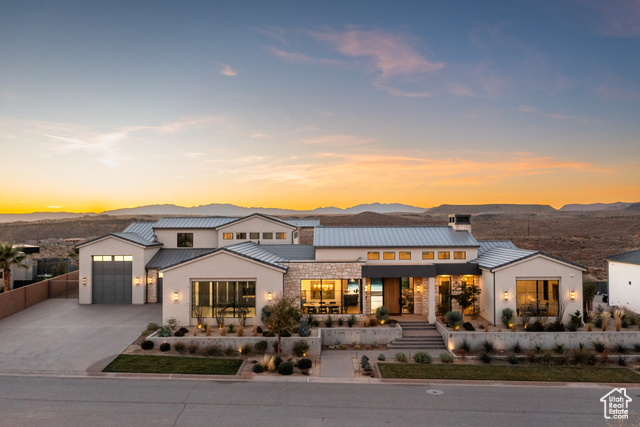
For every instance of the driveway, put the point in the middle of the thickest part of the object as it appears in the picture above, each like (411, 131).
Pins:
(60, 335)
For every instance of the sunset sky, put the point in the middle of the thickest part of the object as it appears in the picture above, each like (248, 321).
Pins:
(301, 104)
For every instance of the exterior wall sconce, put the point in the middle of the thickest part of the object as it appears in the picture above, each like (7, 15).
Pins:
(270, 296)
(84, 281)
(506, 295)
(137, 281)
(176, 296)
(418, 288)
(150, 280)
(573, 295)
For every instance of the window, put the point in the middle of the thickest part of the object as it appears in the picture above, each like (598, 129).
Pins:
(185, 240)
(267, 236)
(443, 255)
(254, 236)
(281, 236)
(330, 296)
(389, 255)
(373, 255)
(241, 236)
(537, 297)
(427, 254)
(376, 294)
(226, 298)
(405, 255)
(227, 236)
(459, 255)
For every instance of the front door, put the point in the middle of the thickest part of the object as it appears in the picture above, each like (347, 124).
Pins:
(392, 298)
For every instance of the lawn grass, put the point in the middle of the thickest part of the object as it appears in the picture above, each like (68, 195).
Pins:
(173, 365)
(509, 373)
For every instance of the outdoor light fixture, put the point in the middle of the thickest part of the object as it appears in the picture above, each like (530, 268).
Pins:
(506, 295)
(418, 288)
(84, 281)
(629, 282)
(573, 295)
(150, 280)
(137, 281)
(270, 296)
(176, 296)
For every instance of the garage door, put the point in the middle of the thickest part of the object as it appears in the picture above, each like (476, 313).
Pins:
(112, 279)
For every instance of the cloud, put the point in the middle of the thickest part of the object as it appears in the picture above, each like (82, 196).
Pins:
(228, 71)
(390, 53)
(301, 58)
(615, 18)
(556, 116)
(340, 140)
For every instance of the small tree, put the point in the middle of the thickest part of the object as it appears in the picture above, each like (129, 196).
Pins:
(59, 269)
(466, 295)
(285, 316)
(9, 256)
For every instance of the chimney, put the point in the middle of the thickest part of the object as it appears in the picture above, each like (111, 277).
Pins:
(460, 222)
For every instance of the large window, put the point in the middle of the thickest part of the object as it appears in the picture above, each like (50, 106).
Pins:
(537, 297)
(443, 255)
(377, 294)
(210, 298)
(227, 236)
(427, 254)
(281, 236)
(459, 255)
(185, 240)
(330, 296)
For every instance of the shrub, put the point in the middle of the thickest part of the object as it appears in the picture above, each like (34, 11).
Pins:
(329, 322)
(454, 319)
(340, 322)
(240, 331)
(364, 363)
(575, 319)
(446, 357)
(352, 320)
(304, 364)
(559, 348)
(622, 361)
(382, 314)
(277, 360)
(421, 357)
(305, 329)
(172, 323)
(537, 348)
(382, 357)
(464, 345)
(285, 334)
(247, 349)
(192, 348)
(512, 359)
(536, 326)
(257, 369)
(147, 345)
(507, 317)
(229, 351)
(516, 348)
(488, 346)
(212, 350)
(401, 357)
(485, 357)
(620, 348)
(268, 334)
(165, 346)
(180, 347)
(285, 368)
(184, 330)
(152, 326)
(232, 328)
(316, 323)
(468, 326)
(636, 348)
(259, 329)
(300, 348)
(178, 334)
(599, 346)
(164, 332)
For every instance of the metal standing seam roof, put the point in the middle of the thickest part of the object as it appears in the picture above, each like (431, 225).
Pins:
(435, 236)
(486, 245)
(303, 222)
(193, 222)
(498, 257)
(292, 252)
(168, 257)
(131, 237)
(263, 216)
(143, 229)
(632, 257)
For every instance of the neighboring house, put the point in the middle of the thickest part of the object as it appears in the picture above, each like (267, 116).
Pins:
(624, 280)
(20, 275)
(197, 267)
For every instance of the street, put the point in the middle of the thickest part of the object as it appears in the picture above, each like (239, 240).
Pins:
(55, 401)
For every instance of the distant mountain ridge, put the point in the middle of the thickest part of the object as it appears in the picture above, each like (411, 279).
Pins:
(593, 207)
(496, 208)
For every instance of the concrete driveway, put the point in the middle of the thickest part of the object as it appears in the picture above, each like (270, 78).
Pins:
(59, 335)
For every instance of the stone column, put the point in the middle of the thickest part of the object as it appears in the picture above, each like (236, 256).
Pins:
(432, 300)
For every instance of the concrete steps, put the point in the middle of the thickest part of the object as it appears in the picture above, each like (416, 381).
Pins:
(418, 336)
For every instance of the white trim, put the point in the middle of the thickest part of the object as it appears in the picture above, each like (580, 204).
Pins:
(282, 270)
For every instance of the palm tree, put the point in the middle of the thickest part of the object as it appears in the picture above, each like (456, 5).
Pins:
(9, 256)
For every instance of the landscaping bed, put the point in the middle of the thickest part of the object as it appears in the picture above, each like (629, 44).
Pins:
(149, 364)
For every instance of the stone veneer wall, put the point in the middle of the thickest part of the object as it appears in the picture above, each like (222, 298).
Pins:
(298, 271)
(421, 299)
(152, 288)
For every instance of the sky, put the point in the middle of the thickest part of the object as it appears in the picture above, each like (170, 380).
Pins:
(305, 104)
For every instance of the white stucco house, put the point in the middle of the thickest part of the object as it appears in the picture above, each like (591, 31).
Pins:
(203, 266)
(624, 280)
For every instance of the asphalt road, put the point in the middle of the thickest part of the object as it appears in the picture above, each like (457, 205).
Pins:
(53, 401)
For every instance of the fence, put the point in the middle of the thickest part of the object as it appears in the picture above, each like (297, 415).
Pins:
(65, 286)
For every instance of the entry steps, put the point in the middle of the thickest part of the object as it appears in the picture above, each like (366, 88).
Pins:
(419, 336)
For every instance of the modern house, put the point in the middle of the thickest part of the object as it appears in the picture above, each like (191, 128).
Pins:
(200, 267)
(624, 280)
(19, 275)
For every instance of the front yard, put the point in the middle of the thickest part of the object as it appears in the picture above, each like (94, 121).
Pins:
(173, 365)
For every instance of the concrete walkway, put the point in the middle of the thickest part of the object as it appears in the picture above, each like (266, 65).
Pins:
(59, 335)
